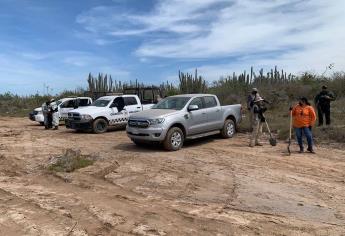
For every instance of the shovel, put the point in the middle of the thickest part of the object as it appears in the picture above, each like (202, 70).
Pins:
(289, 142)
(272, 140)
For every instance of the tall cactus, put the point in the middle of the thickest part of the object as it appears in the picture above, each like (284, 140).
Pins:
(190, 84)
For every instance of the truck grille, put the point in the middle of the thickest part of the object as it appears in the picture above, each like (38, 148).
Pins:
(138, 123)
(73, 116)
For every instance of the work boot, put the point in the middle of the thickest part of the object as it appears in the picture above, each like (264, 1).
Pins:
(301, 150)
(251, 145)
(56, 128)
(258, 144)
(310, 150)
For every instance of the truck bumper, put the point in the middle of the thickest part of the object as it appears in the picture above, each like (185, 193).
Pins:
(78, 125)
(39, 118)
(150, 134)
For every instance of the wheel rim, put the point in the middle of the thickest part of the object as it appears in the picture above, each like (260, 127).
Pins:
(230, 129)
(100, 126)
(176, 139)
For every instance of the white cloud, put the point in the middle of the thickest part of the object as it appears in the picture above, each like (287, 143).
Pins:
(29, 70)
(294, 34)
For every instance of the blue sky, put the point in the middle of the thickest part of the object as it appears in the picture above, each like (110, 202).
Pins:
(58, 43)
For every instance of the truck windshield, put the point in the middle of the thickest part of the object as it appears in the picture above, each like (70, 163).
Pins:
(100, 103)
(174, 103)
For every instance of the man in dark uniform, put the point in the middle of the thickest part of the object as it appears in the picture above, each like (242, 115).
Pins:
(323, 105)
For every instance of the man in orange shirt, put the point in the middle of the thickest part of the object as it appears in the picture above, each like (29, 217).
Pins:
(303, 119)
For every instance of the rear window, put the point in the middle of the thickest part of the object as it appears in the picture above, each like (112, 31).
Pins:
(210, 101)
(84, 102)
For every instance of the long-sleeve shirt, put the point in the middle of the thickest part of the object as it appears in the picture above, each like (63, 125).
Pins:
(303, 116)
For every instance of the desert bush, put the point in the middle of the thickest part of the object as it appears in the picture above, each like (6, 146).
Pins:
(69, 161)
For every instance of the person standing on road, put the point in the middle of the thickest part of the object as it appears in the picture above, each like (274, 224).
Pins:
(250, 103)
(55, 114)
(45, 114)
(323, 105)
(258, 120)
(304, 118)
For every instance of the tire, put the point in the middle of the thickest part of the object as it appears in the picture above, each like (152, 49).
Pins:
(229, 129)
(174, 139)
(99, 126)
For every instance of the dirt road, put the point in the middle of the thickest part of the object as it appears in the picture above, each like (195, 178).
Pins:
(210, 187)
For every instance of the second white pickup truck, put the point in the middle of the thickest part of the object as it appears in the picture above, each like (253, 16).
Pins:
(105, 112)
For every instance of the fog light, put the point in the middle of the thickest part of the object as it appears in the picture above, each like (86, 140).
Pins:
(157, 134)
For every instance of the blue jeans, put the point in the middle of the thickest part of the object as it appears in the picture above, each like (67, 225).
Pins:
(307, 133)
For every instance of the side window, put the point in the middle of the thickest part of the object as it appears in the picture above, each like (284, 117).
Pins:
(84, 102)
(68, 104)
(197, 101)
(130, 101)
(210, 102)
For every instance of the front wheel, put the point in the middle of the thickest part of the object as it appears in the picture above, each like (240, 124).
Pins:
(174, 139)
(99, 126)
(229, 129)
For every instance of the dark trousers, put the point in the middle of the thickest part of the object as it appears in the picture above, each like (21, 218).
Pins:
(324, 111)
(308, 134)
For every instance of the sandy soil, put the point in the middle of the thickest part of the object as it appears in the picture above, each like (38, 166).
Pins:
(210, 187)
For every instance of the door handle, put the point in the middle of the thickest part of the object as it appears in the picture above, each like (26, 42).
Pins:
(217, 110)
(204, 113)
(139, 107)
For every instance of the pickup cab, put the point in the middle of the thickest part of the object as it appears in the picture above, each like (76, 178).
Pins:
(105, 112)
(64, 106)
(188, 116)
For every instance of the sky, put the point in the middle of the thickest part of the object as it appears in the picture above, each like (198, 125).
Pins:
(56, 43)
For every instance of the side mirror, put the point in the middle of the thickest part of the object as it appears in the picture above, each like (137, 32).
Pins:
(193, 107)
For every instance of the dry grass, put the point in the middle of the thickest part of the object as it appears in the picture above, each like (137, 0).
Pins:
(69, 161)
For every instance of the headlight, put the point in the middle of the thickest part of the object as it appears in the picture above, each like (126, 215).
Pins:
(86, 117)
(156, 121)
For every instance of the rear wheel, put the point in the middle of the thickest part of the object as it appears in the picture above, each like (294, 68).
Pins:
(229, 129)
(174, 139)
(99, 126)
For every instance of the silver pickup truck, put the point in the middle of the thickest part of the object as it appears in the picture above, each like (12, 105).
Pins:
(181, 117)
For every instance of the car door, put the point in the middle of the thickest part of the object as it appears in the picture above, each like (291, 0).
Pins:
(213, 112)
(131, 104)
(197, 118)
(65, 107)
(116, 112)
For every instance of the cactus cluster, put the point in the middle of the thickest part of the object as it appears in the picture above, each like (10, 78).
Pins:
(190, 84)
(103, 84)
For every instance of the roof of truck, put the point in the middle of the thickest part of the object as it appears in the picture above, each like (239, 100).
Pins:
(193, 95)
(114, 96)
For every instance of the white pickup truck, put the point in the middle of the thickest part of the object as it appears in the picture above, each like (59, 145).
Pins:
(64, 106)
(105, 112)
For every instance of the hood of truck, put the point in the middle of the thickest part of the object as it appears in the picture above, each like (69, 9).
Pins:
(153, 114)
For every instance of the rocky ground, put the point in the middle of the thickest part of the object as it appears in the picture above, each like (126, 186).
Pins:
(210, 187)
